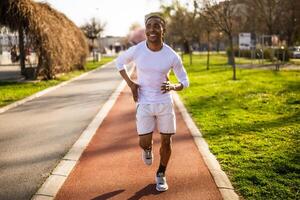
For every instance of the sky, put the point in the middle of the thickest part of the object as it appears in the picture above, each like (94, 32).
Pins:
(118, 15)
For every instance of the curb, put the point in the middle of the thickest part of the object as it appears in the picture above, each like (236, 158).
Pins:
(222, 181)
(58, 176)
(43, 92)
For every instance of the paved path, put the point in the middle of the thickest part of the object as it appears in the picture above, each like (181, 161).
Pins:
(10, 73)
(36, 135)
(111, 166)
(269, 66)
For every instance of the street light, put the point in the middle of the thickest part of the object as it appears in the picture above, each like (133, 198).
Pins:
(283, 54)
(218, 41)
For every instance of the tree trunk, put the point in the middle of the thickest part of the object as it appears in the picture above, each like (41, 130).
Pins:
(186, 47)
(208, 49)
(191, 56)
(232, 56)
(1, 50)
(218, 46)
(93, 51)
(22, 50)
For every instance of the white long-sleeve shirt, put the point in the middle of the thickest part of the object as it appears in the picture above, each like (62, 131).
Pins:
(152, 69)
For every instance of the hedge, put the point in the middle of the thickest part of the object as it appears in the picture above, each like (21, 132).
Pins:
(270, 54)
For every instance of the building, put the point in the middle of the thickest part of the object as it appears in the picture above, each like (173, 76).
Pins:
(111, 45)
(7, 39)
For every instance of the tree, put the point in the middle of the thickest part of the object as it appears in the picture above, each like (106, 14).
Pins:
(290, 20)
(195, 27)
(274, 17)
(268, 12)
(179, 25)
(92, 31)
(207, 27)
(136, 34)
(221, 14)
(1, 31)
(60, 45)
(22, 49)
(187, 25)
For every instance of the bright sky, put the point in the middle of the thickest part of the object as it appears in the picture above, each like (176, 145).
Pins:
(119, 15)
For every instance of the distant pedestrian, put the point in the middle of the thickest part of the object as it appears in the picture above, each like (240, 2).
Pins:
(154, 60)
(13, 54)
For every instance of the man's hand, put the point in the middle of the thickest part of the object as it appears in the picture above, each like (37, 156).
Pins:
(133, 86)
(134, 89)
(166, 87)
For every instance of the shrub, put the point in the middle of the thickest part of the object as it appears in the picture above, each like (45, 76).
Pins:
(270, 54)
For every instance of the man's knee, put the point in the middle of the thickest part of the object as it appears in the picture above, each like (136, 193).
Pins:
(146, 141)
(145, 144)
(166, 142)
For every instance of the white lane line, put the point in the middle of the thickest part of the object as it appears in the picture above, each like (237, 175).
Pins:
(57, 178)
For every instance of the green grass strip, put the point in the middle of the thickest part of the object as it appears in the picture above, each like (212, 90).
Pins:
(14, 91)
(252, 125)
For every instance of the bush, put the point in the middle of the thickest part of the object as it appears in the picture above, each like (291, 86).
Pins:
(283, 54)
(270, 54)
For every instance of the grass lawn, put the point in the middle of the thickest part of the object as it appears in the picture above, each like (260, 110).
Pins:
(11, 92)
(221, 56)
(252, 125)
(295, 61)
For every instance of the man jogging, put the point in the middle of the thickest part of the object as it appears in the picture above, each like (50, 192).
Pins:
(154, 60)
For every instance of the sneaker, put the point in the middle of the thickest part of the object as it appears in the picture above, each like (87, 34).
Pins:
(161, 183)
(147, 156)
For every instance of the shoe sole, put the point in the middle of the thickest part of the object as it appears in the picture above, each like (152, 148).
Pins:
(161, 189)
(148, 163)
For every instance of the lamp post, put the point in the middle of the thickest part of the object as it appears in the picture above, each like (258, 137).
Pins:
(218, 41)
(283, 54)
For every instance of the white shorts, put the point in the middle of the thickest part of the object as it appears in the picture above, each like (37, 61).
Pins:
(161, 114)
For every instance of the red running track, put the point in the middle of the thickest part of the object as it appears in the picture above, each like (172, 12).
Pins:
(111, 166)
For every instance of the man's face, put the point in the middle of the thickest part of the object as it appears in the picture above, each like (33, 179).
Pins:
(154, 30)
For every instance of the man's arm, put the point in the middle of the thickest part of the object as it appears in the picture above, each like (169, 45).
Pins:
(133, 86)
(181, 75)
(121, 61)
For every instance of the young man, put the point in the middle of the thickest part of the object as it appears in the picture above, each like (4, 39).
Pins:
(154, 60)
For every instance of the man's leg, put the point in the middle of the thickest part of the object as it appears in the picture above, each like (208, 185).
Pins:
(165, 151)
(146, 141)
(145, 123)
(146, 145)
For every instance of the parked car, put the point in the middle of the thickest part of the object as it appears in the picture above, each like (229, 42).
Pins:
(295, 51)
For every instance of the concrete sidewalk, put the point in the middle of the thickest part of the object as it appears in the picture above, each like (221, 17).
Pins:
(36, 135)
(10, 73)
(111, 165)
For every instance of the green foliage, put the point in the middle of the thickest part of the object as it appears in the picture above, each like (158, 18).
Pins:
(11, 91)
(252, 125)
(295, 61)
(93, 28)
(270, 54)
